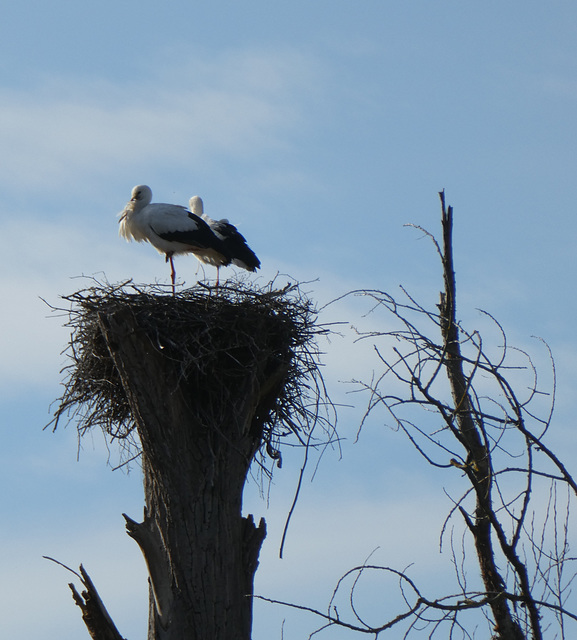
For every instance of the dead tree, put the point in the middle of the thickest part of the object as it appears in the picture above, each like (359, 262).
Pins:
(475, 410)
(201, 384)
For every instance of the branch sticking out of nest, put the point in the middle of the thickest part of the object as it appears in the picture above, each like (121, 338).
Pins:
(210, 338)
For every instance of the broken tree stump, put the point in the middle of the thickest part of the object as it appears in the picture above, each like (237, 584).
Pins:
(202, 383)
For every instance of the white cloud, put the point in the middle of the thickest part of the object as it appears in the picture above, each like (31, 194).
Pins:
(238, 104)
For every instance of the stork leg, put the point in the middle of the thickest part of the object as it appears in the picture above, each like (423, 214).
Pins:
(217, 274)
(172, 276)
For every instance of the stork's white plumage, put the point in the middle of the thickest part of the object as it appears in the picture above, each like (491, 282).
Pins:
(171, 230)
(240, 253)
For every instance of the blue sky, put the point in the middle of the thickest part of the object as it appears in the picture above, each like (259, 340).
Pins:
(320, 129)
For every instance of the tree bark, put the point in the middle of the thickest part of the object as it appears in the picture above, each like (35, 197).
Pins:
(94, 613)
(200, 552)
(468, 432)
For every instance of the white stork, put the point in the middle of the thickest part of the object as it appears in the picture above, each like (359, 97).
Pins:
(170, 229)
(240, 253)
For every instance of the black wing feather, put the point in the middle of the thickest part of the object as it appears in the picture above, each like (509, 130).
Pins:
(202, 237)
(236, 245)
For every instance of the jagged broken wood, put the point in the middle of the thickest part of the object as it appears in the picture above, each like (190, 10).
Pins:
(94, 613)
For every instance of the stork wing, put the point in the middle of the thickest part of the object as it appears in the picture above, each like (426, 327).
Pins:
(225, 229)
(176, 224)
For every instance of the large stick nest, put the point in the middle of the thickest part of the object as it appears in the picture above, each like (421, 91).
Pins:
(211, 335)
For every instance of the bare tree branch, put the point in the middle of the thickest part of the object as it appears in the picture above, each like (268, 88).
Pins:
(479, 409)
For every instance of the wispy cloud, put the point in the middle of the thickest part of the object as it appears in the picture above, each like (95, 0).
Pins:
(237, 104)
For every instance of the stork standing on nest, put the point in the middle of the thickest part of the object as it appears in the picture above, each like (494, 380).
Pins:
(171, 230)
(235, 244)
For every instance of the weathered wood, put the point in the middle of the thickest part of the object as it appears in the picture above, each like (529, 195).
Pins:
(200, 552)
(149, 539)
(477, 468)
(94, 613)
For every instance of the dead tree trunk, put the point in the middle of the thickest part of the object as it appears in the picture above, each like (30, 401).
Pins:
(205, 383)
(193, 537)
(469, 433)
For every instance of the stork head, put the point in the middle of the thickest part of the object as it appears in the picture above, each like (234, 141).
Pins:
(196, 206)
(141, 194)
